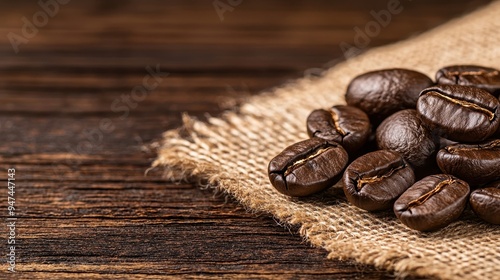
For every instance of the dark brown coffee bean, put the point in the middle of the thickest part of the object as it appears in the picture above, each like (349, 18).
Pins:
(346, 125)
(307, 167)
(486, 203)
(373, 181)
(432, 202)
(459, 113)
(404, 133)
(477, 164)
(384, 92)
(471, 75)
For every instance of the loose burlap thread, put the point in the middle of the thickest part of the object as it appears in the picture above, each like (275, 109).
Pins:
(232, 152)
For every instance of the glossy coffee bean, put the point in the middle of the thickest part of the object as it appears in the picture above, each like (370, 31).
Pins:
(477, 164)
(459, 113)
(404, 133)
(471, 75)
(432, 203)
(384, 92)
(307, 167)
(373, 181)
(485, 203)
(346, 125)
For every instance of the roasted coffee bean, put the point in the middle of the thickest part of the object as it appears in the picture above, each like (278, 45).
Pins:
(307, 167)
(404, 133)
(477, 164)
(471, 75)
(459, 113)
(346, 125)
(432, 202)
(373, 181)
(384, 92)
(486, 203)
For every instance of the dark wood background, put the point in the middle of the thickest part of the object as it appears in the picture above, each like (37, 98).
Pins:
(84, 207)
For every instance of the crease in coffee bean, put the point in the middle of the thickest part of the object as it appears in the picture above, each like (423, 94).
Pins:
(363, 181)
(336, 124)
(423, 198)
(493, 195)
(492, 145)
(463, 103)
(474, 73)
(303, 161)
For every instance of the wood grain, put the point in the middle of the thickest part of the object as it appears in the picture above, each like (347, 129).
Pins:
(85, 207)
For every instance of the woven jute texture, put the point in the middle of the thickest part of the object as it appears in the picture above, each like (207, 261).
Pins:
(231, 153)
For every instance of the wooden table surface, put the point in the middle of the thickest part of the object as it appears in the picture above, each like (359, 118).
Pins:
(74, 114)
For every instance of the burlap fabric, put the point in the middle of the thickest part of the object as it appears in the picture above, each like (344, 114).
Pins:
(232, 153)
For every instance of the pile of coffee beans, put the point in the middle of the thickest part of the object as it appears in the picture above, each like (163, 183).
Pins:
(424, 149)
